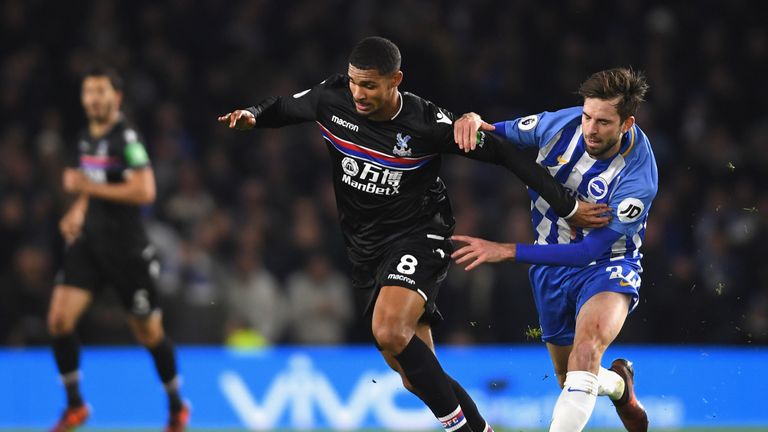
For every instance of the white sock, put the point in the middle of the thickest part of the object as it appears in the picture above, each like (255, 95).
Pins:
(611, 384)
(576, 402)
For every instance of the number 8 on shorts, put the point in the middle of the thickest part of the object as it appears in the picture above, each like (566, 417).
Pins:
(407, 265)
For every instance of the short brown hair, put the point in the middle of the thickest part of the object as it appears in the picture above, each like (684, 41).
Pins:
(619, 82)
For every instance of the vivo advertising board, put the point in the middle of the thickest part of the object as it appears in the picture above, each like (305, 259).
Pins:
(348, 388)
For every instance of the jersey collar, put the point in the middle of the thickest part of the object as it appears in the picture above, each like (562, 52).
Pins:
(400, 108)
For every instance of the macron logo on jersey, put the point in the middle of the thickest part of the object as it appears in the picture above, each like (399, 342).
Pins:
(346, 124)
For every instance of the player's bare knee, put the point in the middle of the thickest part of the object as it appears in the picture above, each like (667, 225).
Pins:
(59, 324)
(147, 335)
(586, 354)
(392, 336)
(148, 339)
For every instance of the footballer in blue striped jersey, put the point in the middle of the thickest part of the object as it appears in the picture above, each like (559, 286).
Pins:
(585, 281)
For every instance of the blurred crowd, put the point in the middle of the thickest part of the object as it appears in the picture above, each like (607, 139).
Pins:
(246, 224)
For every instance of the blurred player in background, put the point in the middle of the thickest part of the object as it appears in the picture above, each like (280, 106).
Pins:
(393, 208)
(584, 285)
(107, 245)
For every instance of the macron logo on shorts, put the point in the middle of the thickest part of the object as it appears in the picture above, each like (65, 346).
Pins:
(399, 277)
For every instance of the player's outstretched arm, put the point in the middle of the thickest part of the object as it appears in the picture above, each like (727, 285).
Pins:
(583, 215)
(238, 119)
(494, 149)
(571, 255)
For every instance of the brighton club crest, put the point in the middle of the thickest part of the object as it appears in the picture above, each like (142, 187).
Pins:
(401, 147)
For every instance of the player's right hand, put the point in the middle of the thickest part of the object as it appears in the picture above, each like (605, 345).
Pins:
(465, 130)
(239, 119)
(590, 215)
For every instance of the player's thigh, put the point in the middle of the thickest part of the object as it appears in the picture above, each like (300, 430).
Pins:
(76, 281)
(67, 305)
(601, 318)
(608, 293)
(396, 316)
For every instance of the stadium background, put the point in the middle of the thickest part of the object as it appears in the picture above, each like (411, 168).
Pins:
(246, 222)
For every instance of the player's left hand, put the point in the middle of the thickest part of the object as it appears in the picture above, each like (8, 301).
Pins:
(465, 130)
(590, 215)
(238, 119)
(74, 180)
(481, 251)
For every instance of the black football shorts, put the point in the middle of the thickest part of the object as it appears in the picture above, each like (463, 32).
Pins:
(419, 262)
(131, 270)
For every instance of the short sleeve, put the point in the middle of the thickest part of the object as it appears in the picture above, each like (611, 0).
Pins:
(537, 130)
(631, 200)
(135, 153)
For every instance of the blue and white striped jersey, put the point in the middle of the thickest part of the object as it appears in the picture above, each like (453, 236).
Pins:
(627, 182)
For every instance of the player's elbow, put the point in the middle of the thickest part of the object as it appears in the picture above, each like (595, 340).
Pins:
(142, 195)
(142, 185)
(147, 196)
(146, 190)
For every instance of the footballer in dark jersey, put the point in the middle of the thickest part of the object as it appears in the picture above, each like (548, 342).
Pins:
(107, 245)
(395, 215)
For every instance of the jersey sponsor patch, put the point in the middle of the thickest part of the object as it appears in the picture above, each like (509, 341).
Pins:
(136, 154)
(528, 123)
(372, 178)
(630, 209)
(349, 166)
